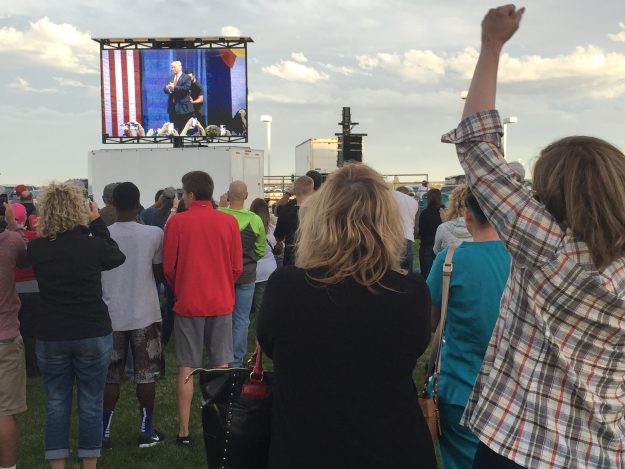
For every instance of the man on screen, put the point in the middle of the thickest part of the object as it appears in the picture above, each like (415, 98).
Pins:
(197, 98)
(179, 104)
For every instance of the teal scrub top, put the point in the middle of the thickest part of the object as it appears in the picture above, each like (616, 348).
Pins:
(480, 272)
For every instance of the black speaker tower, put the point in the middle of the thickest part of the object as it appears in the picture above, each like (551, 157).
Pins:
(350, 145)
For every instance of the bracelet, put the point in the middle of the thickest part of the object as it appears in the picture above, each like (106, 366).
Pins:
(173, 210)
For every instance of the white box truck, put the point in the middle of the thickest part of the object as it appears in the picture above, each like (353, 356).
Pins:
(152, 169)
(319, 154)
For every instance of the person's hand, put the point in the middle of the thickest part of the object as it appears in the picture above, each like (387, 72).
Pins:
(94, 211)
(223, 200)
(500, 24)
(9, 216)
(175, 202)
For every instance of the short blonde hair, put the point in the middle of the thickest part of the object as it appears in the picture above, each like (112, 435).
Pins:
(455, 204)
(352, 227)
(61, 207)
(581, 182)
(303, 185)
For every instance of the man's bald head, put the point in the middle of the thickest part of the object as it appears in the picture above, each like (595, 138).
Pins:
(237, 192)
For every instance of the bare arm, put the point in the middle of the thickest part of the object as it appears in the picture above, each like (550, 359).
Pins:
(498, 26)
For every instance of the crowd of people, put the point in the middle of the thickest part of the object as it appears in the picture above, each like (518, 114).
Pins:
(531, 361)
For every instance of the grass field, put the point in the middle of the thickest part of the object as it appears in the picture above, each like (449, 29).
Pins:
(125, 426)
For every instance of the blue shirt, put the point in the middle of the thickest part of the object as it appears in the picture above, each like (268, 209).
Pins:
(152, 216)
(480, 272)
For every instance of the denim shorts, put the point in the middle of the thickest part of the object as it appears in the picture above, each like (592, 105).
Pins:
(62, 362)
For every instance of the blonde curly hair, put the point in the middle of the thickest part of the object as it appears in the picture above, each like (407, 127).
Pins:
(455, 204)
(61, 207)
(352, 227)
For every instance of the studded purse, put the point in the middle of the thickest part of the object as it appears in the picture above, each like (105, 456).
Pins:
(236, 415)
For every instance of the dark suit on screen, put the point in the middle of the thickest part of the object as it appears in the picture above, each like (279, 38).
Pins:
(179, 104)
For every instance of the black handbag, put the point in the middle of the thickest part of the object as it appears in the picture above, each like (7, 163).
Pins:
(236, 415)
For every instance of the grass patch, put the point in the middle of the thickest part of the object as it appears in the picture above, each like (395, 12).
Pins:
(125, 427)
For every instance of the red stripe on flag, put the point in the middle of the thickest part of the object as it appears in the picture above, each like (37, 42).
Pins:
(125, 100)
(137, 72)
(115, 123)
(102, 97)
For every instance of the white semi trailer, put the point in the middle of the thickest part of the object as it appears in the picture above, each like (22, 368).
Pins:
(152, 169)
(319, 154)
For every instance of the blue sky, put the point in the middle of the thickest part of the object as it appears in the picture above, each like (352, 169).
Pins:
(400, 66)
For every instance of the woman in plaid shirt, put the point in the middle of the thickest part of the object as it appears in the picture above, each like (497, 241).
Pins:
(551, 391)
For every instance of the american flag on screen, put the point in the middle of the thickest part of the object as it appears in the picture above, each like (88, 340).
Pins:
(121, 89)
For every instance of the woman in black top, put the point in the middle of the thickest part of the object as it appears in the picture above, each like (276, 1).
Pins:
(74, 339)
(429, 220)
(345, 327)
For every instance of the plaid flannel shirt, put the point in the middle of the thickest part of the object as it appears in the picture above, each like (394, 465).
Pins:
(551, 391)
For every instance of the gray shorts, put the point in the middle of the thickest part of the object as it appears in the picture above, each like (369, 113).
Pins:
(192, 335)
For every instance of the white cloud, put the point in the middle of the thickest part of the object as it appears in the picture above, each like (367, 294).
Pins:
(343, 70)
(231, 31)
(293, 71)
(601, 73)
(260, 97)
(299, 57)
(60, 46)
(22, 85)
(422, 66)
(64, 82)
(620, 36)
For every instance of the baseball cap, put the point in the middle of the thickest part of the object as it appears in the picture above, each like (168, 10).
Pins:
(19, 211)
(20, 188)
(107, 193)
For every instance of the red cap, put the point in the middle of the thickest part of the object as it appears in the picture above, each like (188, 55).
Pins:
(19, 211)
(20, 188)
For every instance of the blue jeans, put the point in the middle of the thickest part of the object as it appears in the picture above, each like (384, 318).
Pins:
(243, 296)
(61, 362)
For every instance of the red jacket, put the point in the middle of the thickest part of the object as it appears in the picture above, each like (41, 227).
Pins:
(202, 258)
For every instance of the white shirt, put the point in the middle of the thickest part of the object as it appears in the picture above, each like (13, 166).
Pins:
(129, 290)
(267, 264)
(421, 191)
(408, 208)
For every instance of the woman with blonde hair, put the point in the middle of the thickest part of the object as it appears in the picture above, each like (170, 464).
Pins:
(345, 327)
(73, 333)
(453, 230)
(550, 392)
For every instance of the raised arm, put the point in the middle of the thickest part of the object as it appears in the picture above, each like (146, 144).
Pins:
(530, 232)
(497, 27)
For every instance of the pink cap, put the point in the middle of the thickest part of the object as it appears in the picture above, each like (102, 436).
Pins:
(19, 211)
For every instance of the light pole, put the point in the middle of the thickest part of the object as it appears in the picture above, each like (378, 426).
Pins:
(267, 120)
(504, 143)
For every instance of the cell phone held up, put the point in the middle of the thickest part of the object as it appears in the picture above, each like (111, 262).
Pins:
(4, 199)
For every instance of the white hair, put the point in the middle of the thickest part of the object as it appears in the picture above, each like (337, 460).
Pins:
(177, 63)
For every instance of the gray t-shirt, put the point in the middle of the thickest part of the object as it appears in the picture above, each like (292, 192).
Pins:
(129, 290)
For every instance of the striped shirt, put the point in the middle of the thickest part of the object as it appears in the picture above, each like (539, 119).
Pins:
(551, 390)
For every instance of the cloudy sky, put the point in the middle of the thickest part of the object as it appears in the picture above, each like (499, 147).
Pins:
(399, 65)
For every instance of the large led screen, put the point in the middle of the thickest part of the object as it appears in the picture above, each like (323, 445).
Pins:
(174, 92)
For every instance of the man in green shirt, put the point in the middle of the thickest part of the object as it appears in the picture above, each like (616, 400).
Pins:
(253, 241)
